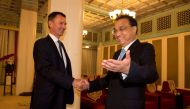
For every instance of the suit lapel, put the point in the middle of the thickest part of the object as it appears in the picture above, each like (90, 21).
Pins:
(67, 57)
(68, 62)
(132, 49)
(51, 42)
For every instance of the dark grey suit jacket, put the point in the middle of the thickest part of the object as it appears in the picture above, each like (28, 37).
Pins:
(129, 93)
(53, 82)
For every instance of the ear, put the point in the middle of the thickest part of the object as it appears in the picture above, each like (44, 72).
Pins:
(134, 29)
(50, 23)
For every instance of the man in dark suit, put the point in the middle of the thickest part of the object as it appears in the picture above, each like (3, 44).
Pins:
(130, 69)
(53, 86)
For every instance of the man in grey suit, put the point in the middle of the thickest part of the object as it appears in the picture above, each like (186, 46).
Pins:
(53, 86)
(131, 68)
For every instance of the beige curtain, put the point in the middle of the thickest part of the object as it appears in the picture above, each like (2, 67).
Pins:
(3, 51)
(7, 46)
(89, 58)
(3, 42)
(11, 42)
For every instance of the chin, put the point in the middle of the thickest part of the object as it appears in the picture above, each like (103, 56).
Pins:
(61, 34)
(120, 42)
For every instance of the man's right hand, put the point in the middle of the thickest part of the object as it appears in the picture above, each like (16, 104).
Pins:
(81, 84)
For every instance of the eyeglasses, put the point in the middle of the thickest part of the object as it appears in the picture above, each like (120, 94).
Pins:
(121, 29)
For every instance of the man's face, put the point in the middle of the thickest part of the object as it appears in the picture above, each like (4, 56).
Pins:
(123, 32)
(57, 25)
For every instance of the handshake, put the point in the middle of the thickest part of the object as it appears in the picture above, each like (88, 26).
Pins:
(81, 84)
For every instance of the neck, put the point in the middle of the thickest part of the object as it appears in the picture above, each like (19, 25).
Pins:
(127, 43)
(57, 36)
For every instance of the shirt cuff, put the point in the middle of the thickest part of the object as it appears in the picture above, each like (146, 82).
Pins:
(124, 75)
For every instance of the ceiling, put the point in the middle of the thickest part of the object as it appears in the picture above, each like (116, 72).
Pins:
(95, 11)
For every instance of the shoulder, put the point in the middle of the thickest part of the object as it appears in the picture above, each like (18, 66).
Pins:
(41, 41)
(147, 45)
(147, 48)
(42, 44)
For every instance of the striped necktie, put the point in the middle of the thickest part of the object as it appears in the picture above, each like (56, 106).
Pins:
(122, 53)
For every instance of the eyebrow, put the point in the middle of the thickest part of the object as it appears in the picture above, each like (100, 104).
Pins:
(120, 27)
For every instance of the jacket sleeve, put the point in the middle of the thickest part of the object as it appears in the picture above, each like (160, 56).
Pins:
(101, 83)
(46, 69)
(144, 70)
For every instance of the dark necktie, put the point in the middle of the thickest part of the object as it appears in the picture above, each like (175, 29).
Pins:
(60, 48)
(63, 54)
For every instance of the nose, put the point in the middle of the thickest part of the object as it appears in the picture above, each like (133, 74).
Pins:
(64, 26)
(117, 34)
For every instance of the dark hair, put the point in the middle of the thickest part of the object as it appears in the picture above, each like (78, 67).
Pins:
(132, 21)
(52, 15)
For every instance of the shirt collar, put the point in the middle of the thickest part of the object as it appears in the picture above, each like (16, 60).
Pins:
(55, 39)
(127, 47)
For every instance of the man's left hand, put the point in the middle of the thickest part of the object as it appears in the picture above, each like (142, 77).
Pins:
(121, 66)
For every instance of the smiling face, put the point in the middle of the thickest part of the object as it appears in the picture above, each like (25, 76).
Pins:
(57, 25)
(123, 32)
